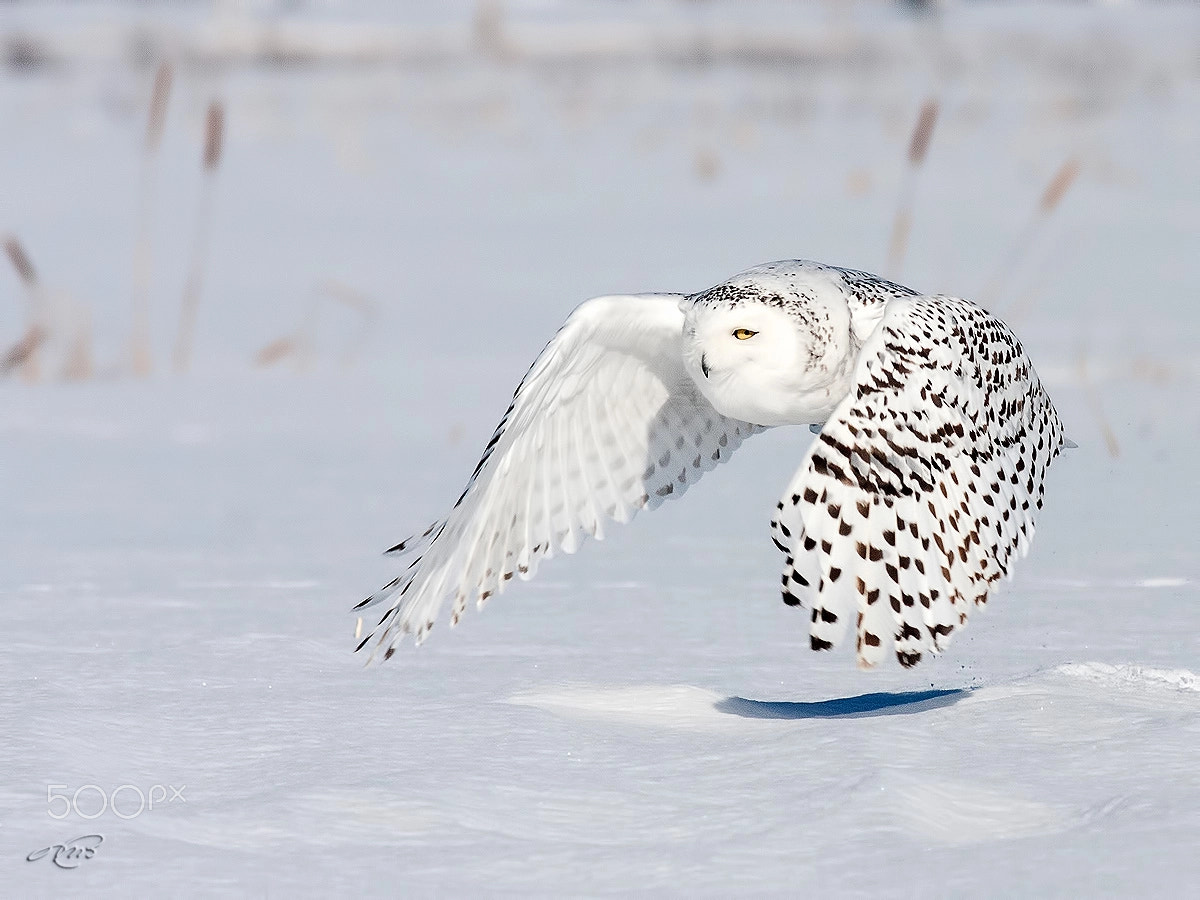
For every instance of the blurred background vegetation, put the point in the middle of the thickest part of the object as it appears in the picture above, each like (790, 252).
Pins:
(303, 184)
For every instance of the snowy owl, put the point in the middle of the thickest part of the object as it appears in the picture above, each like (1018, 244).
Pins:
(934, 435)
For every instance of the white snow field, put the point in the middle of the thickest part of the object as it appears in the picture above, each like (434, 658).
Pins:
(179, 555)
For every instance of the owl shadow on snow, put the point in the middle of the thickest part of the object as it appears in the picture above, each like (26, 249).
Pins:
(861, 706)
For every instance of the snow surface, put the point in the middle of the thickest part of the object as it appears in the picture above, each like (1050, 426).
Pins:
(179, 555)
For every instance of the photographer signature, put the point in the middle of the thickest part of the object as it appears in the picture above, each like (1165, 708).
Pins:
(70, 854)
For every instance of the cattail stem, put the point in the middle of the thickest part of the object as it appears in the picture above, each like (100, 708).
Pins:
(213, 139)
(78, 365)
(1097, 408)
(359, 303)
(185, 339)
(297, 345)
(21, 262)
(20, 354)
(1051, 198)
(488, 28)
(918, 148)
(140, 352)
(25, 355)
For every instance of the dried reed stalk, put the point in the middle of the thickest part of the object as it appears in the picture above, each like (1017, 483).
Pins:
(277, 350)
(918, 148)
(26, 353)
(214, 132)
(349, 297)
(140, 353)
(1058, 186)
(299, 344)
(1063, 248)
(1096, 407)
(20, 355)
(78, 365)
(158, 106)
(1050, 200)
(488, 28)
(20, 262)
(922, 134)
(360, 303)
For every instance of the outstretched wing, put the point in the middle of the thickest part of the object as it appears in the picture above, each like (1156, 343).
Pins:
(606, 422)
(922, 488)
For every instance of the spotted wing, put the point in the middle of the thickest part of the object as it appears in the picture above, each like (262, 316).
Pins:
(606, 422)
(922, 488)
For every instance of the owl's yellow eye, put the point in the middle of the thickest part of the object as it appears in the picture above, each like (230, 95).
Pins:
(744, 334)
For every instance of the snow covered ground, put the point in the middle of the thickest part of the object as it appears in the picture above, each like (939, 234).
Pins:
(179, 555)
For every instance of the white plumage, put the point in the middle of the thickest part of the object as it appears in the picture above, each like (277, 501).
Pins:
(918, 493)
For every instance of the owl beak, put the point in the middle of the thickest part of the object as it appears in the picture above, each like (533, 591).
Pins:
(703, 365)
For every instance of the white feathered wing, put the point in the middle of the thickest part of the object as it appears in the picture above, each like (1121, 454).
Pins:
(606, 422)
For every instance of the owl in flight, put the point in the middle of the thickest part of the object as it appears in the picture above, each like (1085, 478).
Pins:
(921, 488)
